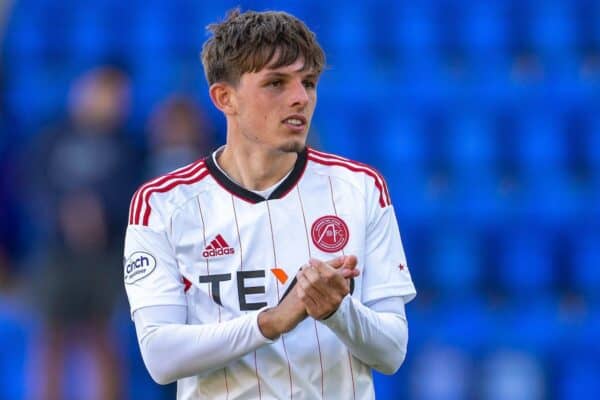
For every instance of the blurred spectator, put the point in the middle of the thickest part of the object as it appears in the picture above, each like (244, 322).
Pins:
(82, 173)
(179, 135)
(9, 226)
(16, 331)
(77, 290)
(512, 375)
(5, 6)
(10, 232)
(90, 150)
(442, 373)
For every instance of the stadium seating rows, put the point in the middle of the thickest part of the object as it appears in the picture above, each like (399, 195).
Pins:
(483, 116)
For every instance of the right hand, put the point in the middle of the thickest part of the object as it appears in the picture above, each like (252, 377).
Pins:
(291, 311)
(322, 286)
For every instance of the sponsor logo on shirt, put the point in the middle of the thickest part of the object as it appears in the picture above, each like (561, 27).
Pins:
(218, 247)
(138, 266)
(330, 233)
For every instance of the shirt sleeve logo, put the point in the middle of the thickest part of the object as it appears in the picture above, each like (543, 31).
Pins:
(138, 266)
(330, 233)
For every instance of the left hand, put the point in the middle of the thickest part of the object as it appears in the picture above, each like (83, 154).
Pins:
(322, 287)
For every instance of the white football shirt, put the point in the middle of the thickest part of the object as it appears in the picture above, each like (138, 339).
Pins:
(196, 238)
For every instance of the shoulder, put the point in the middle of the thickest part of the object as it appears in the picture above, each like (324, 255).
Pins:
(361, 175)
(160, 194)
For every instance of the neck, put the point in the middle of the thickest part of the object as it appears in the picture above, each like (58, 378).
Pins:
(255, 167)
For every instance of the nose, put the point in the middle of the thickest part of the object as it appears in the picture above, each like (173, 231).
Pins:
(299, 94)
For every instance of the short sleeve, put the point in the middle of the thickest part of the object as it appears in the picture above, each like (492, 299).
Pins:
(150, 269)
(385, 270)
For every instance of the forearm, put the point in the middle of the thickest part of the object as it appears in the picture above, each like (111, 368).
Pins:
(378, 338)
(172, 350)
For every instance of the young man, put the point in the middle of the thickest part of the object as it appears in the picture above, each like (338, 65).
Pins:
(268, 270)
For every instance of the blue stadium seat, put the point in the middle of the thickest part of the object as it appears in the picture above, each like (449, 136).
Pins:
(37, 94)
(462, 320)
(585, 263)
(23, 41)
(91, 34)
(150, 33)
(475, 197)
(527, 265)
(529, 323)
(470, 143)
(402, 141)
(16, 338)
(578, 377)
(552, 27)
(590, 329)
(551, 197)
(484, 30)
(541, 143)
(592, 12)
(592, 143)
(347, 31)
(455, 263)
(336, 133)
(415, 31)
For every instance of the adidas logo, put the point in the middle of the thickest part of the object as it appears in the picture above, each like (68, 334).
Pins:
(218, 247)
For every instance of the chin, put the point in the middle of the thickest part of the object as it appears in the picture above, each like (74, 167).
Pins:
(293, 147)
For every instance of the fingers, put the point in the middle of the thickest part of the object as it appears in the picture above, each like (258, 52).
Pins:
(350, 262)
(310, 281)
(337, 262)
(348, 268)
(308, 301)
(343, 262)
(350, 273)
(321, 292)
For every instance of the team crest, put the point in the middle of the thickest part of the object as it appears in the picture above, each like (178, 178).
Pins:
(330, 233)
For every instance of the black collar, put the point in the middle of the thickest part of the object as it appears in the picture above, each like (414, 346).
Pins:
(281, 191)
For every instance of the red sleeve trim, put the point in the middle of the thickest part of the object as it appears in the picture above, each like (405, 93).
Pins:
(140, 208)
(354, 166)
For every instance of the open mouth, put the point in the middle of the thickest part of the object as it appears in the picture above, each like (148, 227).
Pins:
(295, 121)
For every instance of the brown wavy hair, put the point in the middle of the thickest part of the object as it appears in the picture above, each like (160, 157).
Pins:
(250, 41)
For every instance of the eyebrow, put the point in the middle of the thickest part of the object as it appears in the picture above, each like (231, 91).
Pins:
(275, 74)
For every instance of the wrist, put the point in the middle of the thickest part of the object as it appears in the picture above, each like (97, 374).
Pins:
(338, 314)
(268, 324)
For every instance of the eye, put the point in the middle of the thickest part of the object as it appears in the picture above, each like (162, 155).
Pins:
(276, 83)
(309, 84)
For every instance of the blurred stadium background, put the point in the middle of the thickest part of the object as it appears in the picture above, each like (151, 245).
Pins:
(483, 115)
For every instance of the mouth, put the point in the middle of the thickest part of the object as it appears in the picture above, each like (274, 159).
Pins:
(296, 122)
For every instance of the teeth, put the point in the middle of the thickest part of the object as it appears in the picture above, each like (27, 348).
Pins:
(294, 121)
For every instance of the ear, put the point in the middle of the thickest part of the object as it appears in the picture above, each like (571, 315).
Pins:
(223, 97)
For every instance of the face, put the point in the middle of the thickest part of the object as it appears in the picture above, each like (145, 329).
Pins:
(274, 107)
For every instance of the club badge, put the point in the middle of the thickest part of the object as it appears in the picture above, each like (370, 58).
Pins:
(330, 233)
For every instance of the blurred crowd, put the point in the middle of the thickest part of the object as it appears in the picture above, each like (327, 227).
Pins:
(65, 198)
(483, 116)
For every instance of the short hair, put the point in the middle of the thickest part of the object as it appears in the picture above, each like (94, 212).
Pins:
(249, 41)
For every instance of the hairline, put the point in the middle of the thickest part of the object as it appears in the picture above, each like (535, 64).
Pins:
(269, 66)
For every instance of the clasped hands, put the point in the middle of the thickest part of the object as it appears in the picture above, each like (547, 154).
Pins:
(319, 291)
(322, 286)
